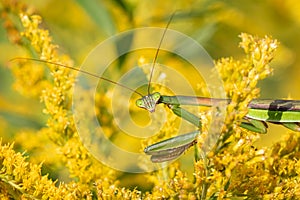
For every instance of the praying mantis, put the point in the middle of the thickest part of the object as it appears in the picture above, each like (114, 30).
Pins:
(284, 112)
(261, 111)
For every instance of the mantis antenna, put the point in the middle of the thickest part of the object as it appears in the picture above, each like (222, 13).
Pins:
(79, 70)
(157, 51)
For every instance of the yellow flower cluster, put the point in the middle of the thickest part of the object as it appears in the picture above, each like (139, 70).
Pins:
(20, 179)
(55, 93)
(235, 168)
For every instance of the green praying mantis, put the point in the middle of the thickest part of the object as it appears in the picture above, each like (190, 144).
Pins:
(284, 112)
(261, 111)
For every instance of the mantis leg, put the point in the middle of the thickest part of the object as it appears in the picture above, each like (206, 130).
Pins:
(255, 125)
(190, 117)
(294, 126)
(171, 148)
(250, 124)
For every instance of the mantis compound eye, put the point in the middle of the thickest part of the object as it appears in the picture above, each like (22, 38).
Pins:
(156, 96)
(140, 103)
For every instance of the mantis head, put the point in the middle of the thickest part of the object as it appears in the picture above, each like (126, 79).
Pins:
(148, 102)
